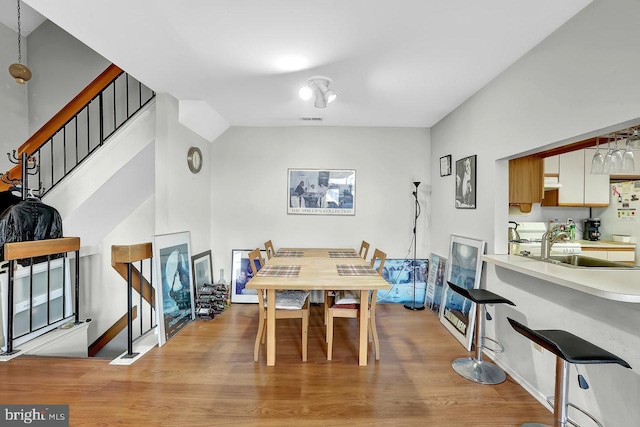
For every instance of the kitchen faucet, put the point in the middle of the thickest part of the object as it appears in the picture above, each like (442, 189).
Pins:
(548, 239)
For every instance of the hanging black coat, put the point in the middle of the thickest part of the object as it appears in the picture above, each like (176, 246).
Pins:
(29, 220)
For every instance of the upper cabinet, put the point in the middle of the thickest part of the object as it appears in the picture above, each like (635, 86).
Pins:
(525, 182)
(578, 187)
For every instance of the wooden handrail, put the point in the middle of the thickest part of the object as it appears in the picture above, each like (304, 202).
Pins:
(43, 134)
(36, 248)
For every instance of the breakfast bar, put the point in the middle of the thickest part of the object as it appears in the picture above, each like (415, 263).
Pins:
(612, 284)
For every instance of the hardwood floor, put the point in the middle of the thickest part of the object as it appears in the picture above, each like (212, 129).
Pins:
(206, 376)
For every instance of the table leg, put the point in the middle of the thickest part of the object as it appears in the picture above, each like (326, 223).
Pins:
(271, 327)
(364, 324)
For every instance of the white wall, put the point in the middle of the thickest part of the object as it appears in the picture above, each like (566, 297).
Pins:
(62, 66)
(250, 192)
(578, 82)
(13, 98)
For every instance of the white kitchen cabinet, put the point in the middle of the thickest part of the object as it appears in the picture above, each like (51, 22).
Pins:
(609, 251)
(579, 187)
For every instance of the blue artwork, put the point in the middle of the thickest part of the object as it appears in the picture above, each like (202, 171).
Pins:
(399, 273)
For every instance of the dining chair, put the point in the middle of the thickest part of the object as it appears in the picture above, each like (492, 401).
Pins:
(364, 251)
(290, 304)
(347, 304)
(269, 248)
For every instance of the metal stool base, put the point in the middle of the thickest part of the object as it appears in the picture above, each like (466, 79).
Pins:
(479, 371)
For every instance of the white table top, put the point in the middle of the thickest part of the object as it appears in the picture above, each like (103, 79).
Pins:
(613, 284)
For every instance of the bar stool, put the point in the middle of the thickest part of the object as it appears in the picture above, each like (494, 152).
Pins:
(568, 348)
(476, 369)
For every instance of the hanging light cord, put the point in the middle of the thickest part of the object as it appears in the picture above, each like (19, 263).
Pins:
(19, 37)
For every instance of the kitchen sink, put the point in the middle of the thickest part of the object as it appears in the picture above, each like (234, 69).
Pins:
(581, 261)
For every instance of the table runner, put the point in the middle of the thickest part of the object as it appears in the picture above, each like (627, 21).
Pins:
(279, 270)
(355, 270)
(343, 254)
(290, 253)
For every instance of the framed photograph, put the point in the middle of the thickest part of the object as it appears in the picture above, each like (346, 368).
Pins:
(399, 273)
(202, 270)
(445, 165)
(241, 273)
(463, 269)
(466, 183)
(175, 301)
(435, 283)
(321, 192)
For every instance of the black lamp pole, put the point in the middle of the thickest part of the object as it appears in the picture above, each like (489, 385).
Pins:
(415, 305)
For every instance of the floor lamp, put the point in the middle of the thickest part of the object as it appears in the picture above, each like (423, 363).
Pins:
(415, 305)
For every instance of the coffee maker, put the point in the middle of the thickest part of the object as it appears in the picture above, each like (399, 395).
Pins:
(592, 229)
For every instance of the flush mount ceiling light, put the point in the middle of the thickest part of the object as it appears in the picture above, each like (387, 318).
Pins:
(319, 87)
(19, 71)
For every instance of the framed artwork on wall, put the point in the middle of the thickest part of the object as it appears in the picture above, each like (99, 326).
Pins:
(321, 192)
(175, 301)
(241, 273)
(445, 165)
(466, 183)
(463, 269)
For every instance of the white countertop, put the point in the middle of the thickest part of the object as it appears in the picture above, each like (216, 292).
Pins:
(613, 284)
(606, 244)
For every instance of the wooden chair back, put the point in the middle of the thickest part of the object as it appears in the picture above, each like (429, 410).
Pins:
(364, 249)
(269, 248)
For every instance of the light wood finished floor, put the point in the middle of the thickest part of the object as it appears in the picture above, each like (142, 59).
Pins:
(205, 376)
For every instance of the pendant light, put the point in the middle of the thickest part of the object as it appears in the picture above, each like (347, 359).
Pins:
(19, 71)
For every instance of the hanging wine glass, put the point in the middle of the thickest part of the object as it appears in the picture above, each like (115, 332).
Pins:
(616, 160)
(628, 162)
(597, 163)
(606, 166)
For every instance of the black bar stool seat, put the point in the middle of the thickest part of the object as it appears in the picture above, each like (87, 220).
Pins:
(568, 348)
(474, 368)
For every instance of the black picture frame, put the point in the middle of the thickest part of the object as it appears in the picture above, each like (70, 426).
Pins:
(445, 165)
(202, 267)
(466, 185)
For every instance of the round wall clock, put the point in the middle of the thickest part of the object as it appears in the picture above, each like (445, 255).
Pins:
(194, 159)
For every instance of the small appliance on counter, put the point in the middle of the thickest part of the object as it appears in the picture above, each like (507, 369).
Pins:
(592, 229)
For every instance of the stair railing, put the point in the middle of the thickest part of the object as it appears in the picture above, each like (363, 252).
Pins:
(129, 261)
(80, 128)
(34, 298)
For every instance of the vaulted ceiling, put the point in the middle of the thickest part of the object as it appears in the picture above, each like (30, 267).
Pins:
(404, 63)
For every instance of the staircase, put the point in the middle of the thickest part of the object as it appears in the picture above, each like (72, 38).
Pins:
(79, 174)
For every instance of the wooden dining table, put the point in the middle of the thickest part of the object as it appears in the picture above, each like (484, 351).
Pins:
(317, 269)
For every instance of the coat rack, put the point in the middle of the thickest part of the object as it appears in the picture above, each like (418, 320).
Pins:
(29, 167)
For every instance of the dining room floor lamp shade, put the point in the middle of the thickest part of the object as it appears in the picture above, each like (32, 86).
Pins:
(320, 88)
(20, 72)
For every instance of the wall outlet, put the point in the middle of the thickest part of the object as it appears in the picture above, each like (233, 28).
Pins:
(538, 347)
(569, 220)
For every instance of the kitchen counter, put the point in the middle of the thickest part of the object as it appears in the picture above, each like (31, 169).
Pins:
(605, 244)
(612, 284)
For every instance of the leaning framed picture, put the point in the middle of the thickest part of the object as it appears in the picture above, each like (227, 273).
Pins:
(175, 301)
(435, 283)
(321, 191)
(466, 183)
(202, 270)
(399, 273)
(241, 273)
(463, 269)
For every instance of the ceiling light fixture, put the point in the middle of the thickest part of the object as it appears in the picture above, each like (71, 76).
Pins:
(319, 87)
(19, 71)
